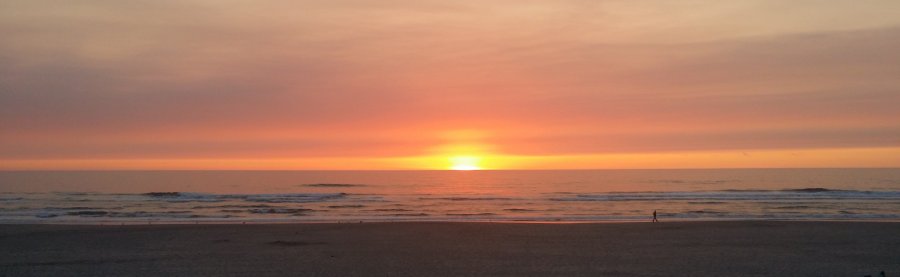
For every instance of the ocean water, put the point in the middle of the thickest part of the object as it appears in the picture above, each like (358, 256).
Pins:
(141, 197)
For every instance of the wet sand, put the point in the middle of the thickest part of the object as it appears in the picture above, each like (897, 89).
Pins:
(456, 249)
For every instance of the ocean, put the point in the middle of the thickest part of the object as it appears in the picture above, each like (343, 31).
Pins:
(146, 197)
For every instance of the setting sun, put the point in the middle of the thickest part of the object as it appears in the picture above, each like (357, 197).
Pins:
(465, 163)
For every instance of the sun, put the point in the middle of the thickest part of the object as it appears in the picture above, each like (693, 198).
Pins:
(465, 163)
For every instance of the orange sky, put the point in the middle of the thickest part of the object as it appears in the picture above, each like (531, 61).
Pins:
(346, 84)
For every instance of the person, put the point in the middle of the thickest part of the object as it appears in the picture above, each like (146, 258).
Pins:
(654, 216)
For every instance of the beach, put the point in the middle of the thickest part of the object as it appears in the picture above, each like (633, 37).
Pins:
(737, 248)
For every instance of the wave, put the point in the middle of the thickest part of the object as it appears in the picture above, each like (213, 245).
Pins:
(812, 190)
(409, 214)
(327, 185)
(278, 211)
(288, 198)
(705, 212)
(135, 214)
(794, 207)
(88, 213)
(80, 208)
(162, 194)
(232, 206)
(737, 195)
(390, 210)
(727, 202)
(471, 214)
(346, 206)
(691, 182)
(265, 198)
(520, 210)
(467, 198)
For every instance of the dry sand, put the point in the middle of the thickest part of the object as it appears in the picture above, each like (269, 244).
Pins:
(456, 249)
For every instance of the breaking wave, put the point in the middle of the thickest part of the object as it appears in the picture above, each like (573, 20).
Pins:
(266, 198)
(737, 195)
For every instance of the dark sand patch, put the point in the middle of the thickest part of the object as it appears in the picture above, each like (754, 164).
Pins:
(80, 262)
(292, 243)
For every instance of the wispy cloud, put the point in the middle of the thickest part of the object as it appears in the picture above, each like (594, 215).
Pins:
(209, 79)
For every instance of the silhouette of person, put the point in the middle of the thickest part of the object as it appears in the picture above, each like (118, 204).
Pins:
(654, 216)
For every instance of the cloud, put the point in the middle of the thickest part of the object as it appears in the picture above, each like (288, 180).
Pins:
(168, 79)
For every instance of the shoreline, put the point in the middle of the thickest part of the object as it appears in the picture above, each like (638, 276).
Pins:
(251, 222)
(719, 248)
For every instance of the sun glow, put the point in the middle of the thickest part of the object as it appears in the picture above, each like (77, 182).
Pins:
(465, 163)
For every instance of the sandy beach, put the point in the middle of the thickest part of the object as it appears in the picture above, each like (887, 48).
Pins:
(456, 249)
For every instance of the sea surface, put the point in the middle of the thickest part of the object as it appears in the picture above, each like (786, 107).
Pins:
(142, 197)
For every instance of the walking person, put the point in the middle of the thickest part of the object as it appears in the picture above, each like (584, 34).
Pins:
(654, 216)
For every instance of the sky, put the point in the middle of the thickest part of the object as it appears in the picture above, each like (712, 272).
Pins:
(423, 84)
